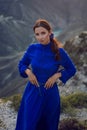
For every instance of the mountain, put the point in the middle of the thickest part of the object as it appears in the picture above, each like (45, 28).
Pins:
(77, 49)
(16, 21)
(60, 13)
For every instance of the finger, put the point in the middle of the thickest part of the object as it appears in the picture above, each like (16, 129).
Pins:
(36, 83)
(48, 85)
(32, 80)
(45, 85)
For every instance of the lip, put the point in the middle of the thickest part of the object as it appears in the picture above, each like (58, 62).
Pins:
(41, 40)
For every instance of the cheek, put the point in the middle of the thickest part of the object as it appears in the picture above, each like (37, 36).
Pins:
(37, 37)
(47, 36)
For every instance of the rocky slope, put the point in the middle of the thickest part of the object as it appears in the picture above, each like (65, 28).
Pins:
(77, 48)
(7, 116)
(16, 20)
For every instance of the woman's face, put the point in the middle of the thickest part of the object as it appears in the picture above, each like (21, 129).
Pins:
(42, 35)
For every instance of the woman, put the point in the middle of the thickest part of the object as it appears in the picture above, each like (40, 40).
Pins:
(40, 105)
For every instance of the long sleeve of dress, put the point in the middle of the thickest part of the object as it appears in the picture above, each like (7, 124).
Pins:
(69, 68)
(24, 63)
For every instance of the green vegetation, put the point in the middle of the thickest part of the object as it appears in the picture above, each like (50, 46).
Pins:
(15, 99)
(68, 105)
(2, 124)
(78, 100)
(71, 102)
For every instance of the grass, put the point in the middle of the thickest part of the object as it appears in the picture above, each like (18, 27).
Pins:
(68, 103)
(15, 99)
(2, 125)
(71, 102)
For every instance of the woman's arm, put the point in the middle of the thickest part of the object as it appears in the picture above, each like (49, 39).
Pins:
(69, 69)
(25, 61)
(64, 74)
(24, 69)
(50, 82)
(23, 64)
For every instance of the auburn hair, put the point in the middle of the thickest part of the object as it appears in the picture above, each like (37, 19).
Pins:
(55, 43)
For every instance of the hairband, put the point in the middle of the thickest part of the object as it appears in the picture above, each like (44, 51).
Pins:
(43, 25)
(51, 36)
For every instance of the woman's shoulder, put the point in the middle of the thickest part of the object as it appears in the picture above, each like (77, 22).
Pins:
(63, 52)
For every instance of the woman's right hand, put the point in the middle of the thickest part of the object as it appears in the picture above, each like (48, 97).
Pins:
(32, 77)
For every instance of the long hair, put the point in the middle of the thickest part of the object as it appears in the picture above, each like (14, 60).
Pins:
(55, 43)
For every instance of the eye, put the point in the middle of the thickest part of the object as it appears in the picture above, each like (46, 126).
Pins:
(37, 34)
(43, 32)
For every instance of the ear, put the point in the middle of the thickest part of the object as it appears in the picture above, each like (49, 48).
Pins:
(50, 32)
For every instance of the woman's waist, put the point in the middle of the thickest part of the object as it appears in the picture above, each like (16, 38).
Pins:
(43, 84)
(43, 78)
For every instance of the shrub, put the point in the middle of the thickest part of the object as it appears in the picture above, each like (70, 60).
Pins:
(64, 104)
(15, 101)
(71, 102)
(66, 107)
(78, 100)
(2, 124)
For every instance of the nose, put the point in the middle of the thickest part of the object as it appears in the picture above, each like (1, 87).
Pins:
(40, 37)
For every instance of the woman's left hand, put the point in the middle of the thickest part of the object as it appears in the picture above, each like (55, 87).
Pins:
(50, 82)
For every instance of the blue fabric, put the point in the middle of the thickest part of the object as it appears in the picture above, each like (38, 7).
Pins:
(40, 108)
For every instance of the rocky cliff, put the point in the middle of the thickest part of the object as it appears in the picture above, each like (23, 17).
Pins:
(77, 48)
(16, 20)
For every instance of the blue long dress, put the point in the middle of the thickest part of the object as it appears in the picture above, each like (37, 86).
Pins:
(40, 107)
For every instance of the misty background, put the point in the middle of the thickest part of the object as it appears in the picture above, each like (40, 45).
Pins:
(17, 17)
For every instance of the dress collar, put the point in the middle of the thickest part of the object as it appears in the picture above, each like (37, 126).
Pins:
(45, 45)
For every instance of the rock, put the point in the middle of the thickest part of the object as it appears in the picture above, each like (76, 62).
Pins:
(7, 116)
(78, 52)
(80, 115)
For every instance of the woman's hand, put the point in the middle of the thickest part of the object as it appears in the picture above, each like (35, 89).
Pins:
(32, 77)
(50, 82)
